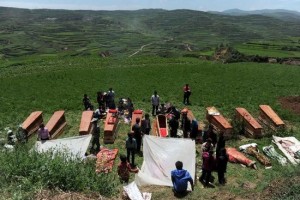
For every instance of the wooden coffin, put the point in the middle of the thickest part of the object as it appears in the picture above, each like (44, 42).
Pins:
(110, 127)
(162, 126)
(270, 118)
(85, 123)
(56, 124)
(136, 114)
(219, 123)
(252, 128)
(33, 122)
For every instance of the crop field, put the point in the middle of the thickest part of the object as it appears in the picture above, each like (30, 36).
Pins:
(50, 83)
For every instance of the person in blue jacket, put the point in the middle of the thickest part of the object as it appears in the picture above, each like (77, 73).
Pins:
(180, 178)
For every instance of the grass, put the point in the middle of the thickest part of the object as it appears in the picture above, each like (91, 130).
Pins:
(50, 83)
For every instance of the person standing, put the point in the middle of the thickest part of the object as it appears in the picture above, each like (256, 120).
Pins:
(186, 94)
(180, 178)
(146, 125)
(131, 148)
(43, 133)
(174, 124)
(220, 143)
(111, 99)
(136, 128)
(96, 136)
(208, 162)
(222, 160)
(100, 99)
(87, 102)
(155, 103)
(185, 123)
(194, 129)
(124, 170)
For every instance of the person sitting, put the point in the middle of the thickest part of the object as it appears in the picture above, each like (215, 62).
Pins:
(124, 169)
(11, 138)
(180, 179)
(43, 133)
(99, 112)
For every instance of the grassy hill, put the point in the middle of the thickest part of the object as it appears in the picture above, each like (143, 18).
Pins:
(54, 83)
(50, 58)
(26, 32)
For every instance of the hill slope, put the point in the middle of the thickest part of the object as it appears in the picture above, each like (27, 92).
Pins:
(25, 32)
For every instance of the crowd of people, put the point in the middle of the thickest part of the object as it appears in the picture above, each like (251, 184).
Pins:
(214, 156)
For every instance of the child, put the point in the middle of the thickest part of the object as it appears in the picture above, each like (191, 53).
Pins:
(124, 168)
(207, 167)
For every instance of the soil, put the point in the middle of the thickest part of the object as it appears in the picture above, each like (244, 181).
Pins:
(291, 103)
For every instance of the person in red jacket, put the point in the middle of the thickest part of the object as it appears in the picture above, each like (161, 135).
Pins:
(207, 167)
(186, 94)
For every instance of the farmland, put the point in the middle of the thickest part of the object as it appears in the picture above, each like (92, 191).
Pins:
(51, 67)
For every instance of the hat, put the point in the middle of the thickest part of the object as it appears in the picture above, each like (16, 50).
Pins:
(94, 120)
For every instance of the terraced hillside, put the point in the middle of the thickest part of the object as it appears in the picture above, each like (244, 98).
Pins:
(122, 33)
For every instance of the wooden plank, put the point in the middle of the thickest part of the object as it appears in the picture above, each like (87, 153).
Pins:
(85, 123)
(56, 124)
(252, 127)
(219, 122)
(33, 121)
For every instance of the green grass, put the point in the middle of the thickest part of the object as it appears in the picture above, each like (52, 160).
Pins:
(50, 83)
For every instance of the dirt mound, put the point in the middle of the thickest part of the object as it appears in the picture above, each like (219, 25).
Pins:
(291, 103)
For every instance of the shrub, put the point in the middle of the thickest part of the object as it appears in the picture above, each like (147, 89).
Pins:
(33, 170)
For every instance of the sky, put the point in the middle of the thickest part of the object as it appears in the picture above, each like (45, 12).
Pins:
(203, 5)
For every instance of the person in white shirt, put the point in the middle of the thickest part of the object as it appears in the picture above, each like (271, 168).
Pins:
(155, 103)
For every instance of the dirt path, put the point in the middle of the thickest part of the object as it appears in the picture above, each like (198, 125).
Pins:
(141, 49)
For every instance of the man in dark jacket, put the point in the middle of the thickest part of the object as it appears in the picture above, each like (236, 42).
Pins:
(185, 123)
(222, 160)
(174, 124)
(180, 179)
(137, 134)
(96, 136)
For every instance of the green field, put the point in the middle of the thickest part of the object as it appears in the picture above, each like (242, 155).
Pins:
(50, 83)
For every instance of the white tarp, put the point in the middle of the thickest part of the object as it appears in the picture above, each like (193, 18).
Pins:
(289, 146)
(74, 147)
(134, 193)
(160, 155)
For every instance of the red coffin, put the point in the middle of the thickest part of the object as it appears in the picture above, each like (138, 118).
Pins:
(56, 124)
(110, 127)
(33, 121)
(219, 123)
(85, 124)
(270, 118)
(252, 128)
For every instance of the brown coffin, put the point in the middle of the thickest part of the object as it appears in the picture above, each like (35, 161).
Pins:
(110, 128)
(270, 118)
(56, 124)
(85, 124)
(136, 114)
(33, 121)
(219, 123)
(252, 128)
